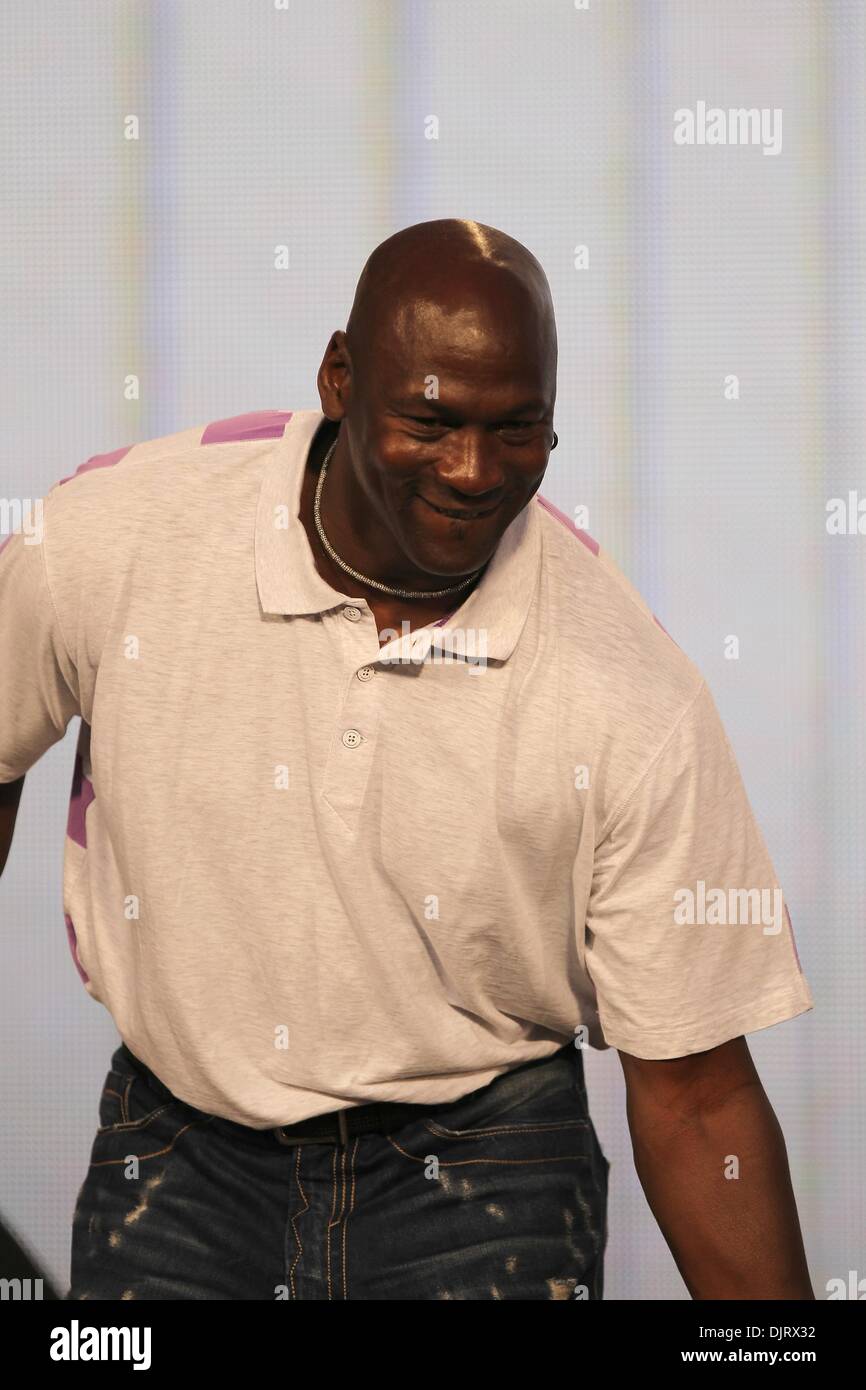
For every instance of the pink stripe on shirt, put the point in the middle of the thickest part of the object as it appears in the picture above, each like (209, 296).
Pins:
(590, 543)
(99, 461)
(256, 424)
(584, 536)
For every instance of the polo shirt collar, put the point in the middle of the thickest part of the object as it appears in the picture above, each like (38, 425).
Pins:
(289, 583)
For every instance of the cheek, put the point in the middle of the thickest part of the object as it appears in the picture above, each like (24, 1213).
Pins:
(395, 479)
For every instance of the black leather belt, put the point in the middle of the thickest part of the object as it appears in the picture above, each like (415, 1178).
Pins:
(338, 1126)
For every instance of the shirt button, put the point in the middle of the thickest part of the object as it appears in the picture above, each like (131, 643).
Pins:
(351, 738)
(366, 673)
(353, 614)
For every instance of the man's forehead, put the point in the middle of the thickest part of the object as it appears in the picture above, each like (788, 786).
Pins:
(510, 367)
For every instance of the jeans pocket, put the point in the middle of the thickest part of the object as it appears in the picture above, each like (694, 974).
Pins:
(138, 1123)
(114, 1100)
(504, 1143)
(530, 1100)
(128, 1102)
(522, 1115)
(509, 1125)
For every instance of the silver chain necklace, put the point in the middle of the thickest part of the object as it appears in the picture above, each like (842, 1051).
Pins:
(374, 583)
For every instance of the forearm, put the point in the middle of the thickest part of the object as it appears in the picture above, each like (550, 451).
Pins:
(10, 795)
(731, 1236)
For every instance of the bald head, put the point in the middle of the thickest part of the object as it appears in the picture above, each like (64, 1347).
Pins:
(441, 267)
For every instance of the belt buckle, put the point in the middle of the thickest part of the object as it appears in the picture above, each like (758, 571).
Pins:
(289, 1143)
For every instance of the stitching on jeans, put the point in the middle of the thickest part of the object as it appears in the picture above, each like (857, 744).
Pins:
(463, 1162)
(349, 1213)
(444, 1133)
(124, 1126)
(305, 1207)
(332, 1222)
(328, 1229)
(342, 1207)
(107, 1162)
(344, 1155)
(124, 1100)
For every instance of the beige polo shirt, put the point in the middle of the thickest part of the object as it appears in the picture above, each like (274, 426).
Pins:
(304, 872)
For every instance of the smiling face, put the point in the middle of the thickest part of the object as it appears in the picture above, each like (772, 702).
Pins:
(446, 408)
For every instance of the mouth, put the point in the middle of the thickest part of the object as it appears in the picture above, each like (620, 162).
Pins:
(462, 513)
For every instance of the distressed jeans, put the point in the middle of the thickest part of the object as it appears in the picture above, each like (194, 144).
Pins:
(501, 1194)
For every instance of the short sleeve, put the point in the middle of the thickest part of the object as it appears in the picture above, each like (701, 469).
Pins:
(688, 937)
(38, 682)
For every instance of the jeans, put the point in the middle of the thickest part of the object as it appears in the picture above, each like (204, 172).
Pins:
(501, 1194)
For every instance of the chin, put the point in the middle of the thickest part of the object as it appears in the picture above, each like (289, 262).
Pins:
(446, 568)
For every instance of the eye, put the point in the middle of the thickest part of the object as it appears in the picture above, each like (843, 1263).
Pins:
(427, 420)
(519, 426)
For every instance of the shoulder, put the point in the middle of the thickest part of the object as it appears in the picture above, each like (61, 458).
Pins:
(146, 505)
(623, 682)
(605, 622)
(238, 438)
(139, 485)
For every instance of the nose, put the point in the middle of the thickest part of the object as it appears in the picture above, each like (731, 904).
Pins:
(470, 472)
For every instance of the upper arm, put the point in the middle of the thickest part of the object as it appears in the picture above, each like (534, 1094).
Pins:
(679, 1086)
(10, 796)
(688, 936)
(39, 692)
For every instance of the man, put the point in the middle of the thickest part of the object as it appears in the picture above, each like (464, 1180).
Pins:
(390, 797)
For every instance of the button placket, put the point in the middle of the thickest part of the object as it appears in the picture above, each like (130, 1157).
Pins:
(353, 744)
